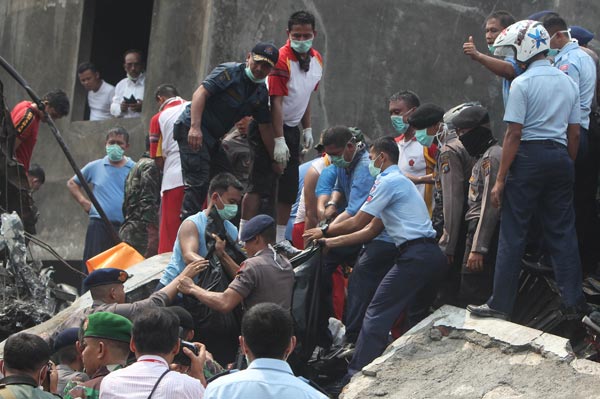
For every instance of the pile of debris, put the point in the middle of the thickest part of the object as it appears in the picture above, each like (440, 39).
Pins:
(28, 294)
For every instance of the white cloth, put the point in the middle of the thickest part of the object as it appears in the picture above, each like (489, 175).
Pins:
(318, 165)
(412, 161)
(172, 177)
(136, 382)
(125, 88)
(100, 101)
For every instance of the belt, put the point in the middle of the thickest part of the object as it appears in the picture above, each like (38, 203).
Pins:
(552, 143)
(423, 240)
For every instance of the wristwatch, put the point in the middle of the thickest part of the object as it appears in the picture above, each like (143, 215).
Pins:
(330, 203)
(324, 229)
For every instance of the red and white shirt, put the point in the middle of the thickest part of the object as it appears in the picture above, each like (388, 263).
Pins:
(288, 80)
(26, 119)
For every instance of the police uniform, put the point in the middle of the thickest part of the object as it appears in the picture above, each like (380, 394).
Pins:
(141, 207)
(540, 179)
(419, 265)
(232, 96)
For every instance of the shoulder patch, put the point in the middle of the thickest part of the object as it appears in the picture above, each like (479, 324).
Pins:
(224, 76)
(485, 166)
(25, 121)
(564, 68)
(445, 167)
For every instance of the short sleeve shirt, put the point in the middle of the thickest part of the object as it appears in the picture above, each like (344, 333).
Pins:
(506, 82)
(266, 277)
(534, 104)
(232, 96)
(395, 200)
(354, 182)
(27, 124)
(109, 186)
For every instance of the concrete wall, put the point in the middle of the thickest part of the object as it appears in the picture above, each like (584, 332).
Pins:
(371, 49)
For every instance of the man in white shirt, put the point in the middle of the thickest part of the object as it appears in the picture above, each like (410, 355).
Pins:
(129, 92)
(155, 342)
(267, 340)
(99, 93)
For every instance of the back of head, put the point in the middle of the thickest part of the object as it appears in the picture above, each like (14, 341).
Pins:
(337, 136)
(505, 18)
(221, 183)
(388, 146)
(166, 90)
(37, 171)
(58, 100)
(267, 329)
(155, 331)
(410, 98)
(554, 23)
(301, 18)
(25, 352)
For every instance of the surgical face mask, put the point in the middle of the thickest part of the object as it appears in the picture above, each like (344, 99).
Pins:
(423, 138)
(373, 170)
(339, 161)
(553, 52)
(250, 76)
(115, 152)
(229, 210)
(399, 125)
(301, 46)
(491, 48)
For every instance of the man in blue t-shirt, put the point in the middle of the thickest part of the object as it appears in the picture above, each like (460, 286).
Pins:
(107, 176)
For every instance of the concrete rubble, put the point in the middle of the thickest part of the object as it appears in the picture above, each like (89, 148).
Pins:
(453, 355)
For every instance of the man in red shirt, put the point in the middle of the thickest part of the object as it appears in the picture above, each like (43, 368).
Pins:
(296, 75)
(26, 117)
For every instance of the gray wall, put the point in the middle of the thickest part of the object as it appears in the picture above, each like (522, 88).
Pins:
(371, 49)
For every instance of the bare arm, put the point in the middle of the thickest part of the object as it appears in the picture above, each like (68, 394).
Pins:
(497, 66)
(267, 134)
(311, 218)
(511, 143)
(189, 242)
(347, 226)
(573, 140)
(79, 195)
(277, 115)
(197, 109)
(370, 231)
(231, 268)
(306, 117)
(223, 302)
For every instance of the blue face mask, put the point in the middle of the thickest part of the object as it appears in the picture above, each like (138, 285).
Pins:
(301, 46)
(491, 48)
(251, 76)
(229, 210)
(115, 152)
(423, 138)
(553, 52)
(399, 125)
(373, 170)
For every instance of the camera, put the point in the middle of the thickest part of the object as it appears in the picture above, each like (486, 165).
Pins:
(182, 358)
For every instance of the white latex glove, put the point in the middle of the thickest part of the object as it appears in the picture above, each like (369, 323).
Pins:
(308, 138)
(281, 152)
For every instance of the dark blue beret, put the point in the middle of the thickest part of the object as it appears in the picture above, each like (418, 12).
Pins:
(65, 338)
(255, 226)
(538, 16)
(582, 35)
(105, 276)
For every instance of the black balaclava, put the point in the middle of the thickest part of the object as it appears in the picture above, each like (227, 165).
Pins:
(477, 140)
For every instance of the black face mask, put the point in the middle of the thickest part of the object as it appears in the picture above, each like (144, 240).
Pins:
(477, 141)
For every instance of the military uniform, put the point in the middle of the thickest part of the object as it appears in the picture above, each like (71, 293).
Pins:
(22, 387)
(483, 220)
(238, 152)
(140, 207)
(89, 389)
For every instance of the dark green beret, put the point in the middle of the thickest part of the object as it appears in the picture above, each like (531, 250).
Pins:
(107, 325)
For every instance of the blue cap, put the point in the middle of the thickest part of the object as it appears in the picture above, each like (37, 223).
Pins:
(255, 226)
(538, 16)
(65, 338)
(582, 35)
(105, 276)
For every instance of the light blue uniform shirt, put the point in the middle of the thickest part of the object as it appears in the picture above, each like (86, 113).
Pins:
(176, 264)
(505, 82)
(109, 186)
(326, 181)
(581, 68)
(355, 184)
(263, 379)
(544, 100)
(397, 202)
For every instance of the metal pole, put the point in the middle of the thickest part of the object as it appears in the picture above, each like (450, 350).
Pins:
(11, 70)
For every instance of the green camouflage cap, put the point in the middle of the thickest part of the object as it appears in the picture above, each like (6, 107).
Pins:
(107, 325)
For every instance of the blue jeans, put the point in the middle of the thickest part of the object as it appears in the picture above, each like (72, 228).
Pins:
(540, 179)
(419, 268)
(376, 259)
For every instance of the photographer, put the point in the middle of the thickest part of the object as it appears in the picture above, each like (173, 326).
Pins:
(155, 342)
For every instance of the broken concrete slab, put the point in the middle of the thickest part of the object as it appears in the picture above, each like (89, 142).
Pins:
(475, 358)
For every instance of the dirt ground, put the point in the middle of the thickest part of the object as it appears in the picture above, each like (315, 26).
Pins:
(467, 364)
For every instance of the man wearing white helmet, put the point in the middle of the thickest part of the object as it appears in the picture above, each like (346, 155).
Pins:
(536, 171)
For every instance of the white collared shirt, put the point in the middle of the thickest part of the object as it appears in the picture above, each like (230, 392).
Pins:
(126, 88)
(137, 380)
(100, 102)
(172, 176)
